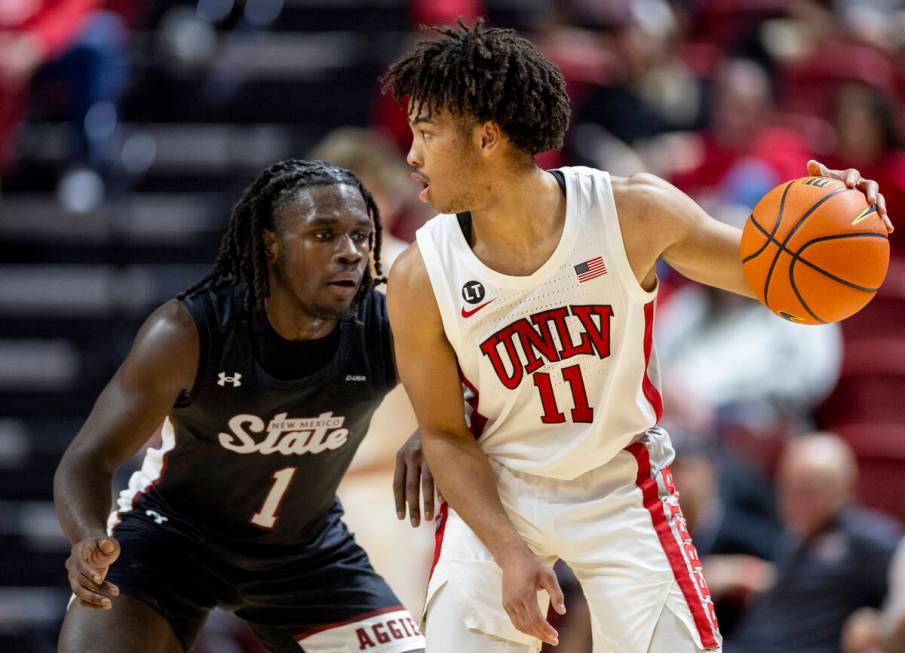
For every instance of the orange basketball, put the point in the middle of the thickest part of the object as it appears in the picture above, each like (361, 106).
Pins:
(814, 251)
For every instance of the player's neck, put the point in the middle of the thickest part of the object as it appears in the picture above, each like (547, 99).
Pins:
(290, 323)
(525, 207)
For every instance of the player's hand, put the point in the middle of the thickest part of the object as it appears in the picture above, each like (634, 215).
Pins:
(412, 480)
(853, 179)
(524, 575)
(87, 565)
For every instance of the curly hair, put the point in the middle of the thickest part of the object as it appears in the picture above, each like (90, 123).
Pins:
(489, 73)
(242, 256)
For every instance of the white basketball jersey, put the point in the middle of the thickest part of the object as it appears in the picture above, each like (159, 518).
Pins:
(558, 368)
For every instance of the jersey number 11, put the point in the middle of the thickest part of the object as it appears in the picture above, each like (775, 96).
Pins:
(581, 411)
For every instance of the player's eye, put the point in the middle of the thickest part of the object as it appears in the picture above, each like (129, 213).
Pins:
(361, 236)
(424, 135)
(323, 236)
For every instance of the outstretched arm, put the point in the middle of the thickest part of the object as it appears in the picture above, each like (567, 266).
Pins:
(428, 369)
(661, 222)
(163, 362)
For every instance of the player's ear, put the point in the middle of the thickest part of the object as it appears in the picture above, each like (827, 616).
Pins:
(271, 245)
(489, 137)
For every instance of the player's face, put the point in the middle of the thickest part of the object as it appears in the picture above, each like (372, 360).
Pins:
(321, 249)
(445, 159)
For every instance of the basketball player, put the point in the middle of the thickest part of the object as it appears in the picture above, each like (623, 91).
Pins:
(265, 374)
(533, 293)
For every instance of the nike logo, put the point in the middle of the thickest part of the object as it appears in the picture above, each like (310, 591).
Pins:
(865, 213)
(466, 313)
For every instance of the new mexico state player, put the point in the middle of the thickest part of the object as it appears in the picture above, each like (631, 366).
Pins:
(534, 294)
(267, 372)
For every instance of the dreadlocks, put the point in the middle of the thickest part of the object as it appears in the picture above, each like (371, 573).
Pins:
(242, 256)
(492, 74)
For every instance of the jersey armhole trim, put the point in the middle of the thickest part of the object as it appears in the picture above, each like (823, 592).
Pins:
(389, 377)
(433, 265)
(616, 246)
(202, 326)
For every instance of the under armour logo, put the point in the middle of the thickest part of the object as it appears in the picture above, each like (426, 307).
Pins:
(156, 516)
(235, 379)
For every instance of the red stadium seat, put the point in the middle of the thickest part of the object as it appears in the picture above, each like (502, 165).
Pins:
(722, 21)
(806, 86)
(880, 450)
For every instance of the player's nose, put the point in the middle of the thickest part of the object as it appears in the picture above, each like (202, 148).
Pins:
(347, 251)
(413, 158)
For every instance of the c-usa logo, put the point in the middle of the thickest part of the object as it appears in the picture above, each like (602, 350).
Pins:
(473, 292)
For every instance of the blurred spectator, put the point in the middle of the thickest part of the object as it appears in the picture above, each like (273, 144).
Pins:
(835, 558)
(874, 631)
(727, 503)
(649, 90)
(729, 509)
(75, 47)
(383, 171)
(387, 116)
(866, 122)
(743, 155)
(728, 362)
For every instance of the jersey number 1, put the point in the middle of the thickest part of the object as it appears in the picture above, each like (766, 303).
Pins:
(581, 412)
(267, 515)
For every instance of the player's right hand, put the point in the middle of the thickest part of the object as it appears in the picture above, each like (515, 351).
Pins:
(413, 481)
(524, 575)
(87, 565)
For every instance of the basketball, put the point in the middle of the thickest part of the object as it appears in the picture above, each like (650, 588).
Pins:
(814, 251)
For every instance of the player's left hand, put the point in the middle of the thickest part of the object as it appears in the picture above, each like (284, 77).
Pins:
(853, 179)
(412, 480)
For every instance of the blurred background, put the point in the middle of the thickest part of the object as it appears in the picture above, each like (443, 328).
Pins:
(129, 127)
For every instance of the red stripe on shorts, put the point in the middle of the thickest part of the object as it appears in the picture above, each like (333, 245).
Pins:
(648, 485)
(442, 516)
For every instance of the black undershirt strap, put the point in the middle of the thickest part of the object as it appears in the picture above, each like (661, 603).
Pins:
(465, 218)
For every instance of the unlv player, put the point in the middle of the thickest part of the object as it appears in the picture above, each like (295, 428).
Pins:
(533, 293)
(265, 374)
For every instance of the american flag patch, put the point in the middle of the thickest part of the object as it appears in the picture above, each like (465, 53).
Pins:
(590, 269)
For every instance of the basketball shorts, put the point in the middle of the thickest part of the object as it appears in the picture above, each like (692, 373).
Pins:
(620, 530)
(322, 596)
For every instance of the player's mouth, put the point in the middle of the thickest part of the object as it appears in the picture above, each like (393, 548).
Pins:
(344, 285)
(421, 179)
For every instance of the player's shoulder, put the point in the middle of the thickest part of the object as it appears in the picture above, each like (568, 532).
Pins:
(408, 267)
(168, 342)
(640, 189)
(171, 319)
(630, 193)
(645, 201)
(409, 291)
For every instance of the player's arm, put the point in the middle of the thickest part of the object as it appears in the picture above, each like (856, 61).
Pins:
(428, 370)
(661, 222)
(163, 361)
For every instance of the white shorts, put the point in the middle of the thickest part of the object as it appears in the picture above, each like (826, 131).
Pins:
(618, 527)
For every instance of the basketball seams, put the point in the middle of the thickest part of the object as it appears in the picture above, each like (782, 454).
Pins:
(823, 200)
(772, 234)
(798, 294)
(797, 257)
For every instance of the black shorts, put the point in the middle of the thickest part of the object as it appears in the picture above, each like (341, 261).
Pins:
(323, 597)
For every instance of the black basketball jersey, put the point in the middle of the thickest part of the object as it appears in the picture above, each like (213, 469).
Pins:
(248, 459)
